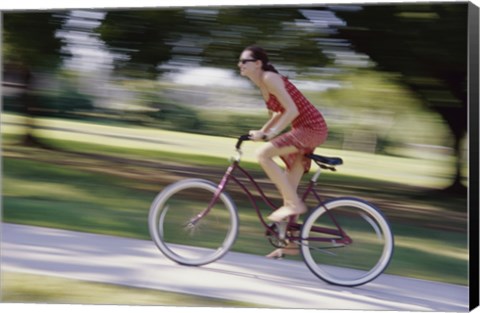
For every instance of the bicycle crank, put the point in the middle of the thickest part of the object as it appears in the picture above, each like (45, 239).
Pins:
(278, 235)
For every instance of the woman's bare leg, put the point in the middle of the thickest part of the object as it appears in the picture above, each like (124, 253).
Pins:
(286, 183)
(278, 176)
(294, 175)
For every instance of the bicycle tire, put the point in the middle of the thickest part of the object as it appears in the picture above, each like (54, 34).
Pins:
(358, 262)
(206, 241)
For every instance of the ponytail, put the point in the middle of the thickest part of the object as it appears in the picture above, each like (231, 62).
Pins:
(269, 68)
(259, 54)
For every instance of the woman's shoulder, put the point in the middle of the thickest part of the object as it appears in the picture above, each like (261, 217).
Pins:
(272, 79)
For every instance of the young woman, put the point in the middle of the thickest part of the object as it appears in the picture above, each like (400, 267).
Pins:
(287, 107)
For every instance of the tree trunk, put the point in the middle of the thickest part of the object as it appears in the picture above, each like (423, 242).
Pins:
(457, 187)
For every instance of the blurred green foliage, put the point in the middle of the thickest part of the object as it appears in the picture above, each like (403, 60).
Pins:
(207, 36)
(29, 39)
(428, 45)
(67, 102)
(419, 48)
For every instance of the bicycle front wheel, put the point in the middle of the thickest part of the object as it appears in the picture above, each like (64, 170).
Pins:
(348, 242)
(180, 234)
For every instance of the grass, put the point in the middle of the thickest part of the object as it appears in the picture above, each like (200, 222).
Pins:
(203, 149)
(101, 203)
(34, 288)
(100, 185)
(59, 197)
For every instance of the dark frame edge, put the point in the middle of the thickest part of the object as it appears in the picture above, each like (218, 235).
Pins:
(473, 94)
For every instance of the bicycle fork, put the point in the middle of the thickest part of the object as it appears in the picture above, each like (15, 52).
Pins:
(218, 192)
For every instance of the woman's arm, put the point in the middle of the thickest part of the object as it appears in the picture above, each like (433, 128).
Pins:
(279, 121)
(274, 116)
(257, 135)
(276, 86)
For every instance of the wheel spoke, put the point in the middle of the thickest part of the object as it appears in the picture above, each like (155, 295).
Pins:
(198, 240)
(354, 262)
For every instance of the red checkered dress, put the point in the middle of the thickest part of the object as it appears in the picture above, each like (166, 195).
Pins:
(308, 130)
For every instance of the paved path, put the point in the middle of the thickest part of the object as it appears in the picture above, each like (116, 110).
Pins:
(242, 277)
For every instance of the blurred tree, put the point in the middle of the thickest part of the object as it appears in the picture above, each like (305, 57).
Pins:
(427, 44)
(205, 36)
(151, 42)
(144, 39)
(30, 44)
(290, 39)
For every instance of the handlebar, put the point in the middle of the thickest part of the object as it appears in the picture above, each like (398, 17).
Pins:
(241, 139)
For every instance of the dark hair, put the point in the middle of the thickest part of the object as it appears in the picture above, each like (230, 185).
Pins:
(259, 54)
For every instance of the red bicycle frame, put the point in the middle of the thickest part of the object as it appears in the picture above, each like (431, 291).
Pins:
(341, 237)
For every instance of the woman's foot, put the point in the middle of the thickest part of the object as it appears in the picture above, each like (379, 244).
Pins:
(285, 211)
(290, 249)
(275, 254)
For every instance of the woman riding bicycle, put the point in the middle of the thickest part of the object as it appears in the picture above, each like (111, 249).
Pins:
(288, 107)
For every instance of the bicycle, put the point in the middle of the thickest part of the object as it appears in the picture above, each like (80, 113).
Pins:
(344, 241)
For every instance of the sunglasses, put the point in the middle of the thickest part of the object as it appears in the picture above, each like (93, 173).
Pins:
(243, 61)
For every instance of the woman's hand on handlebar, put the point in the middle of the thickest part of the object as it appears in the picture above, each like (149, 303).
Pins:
(257, 135)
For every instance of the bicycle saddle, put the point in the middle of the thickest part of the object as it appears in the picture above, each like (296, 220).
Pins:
(320, 159)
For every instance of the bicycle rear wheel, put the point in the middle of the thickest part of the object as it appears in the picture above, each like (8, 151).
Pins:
(361, 257)
(187, 240)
